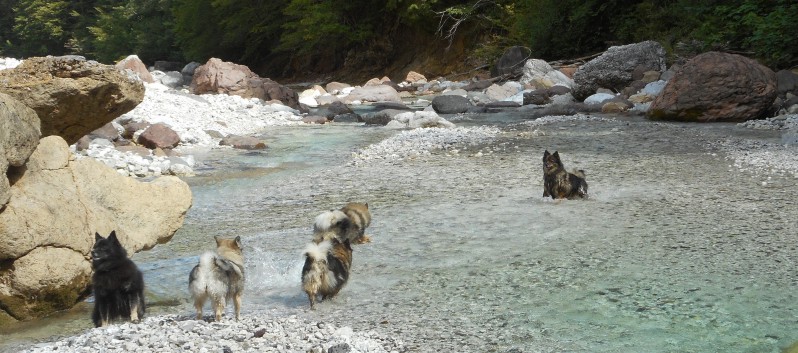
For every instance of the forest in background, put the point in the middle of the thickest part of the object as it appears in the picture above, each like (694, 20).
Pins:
(290, 38)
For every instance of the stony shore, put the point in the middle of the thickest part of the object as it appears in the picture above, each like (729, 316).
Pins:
(253, 333)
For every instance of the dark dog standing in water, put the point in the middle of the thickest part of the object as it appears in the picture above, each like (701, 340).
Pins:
(560, 184)
(117, 283)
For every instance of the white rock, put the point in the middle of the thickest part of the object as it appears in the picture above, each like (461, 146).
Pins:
(599, 98)
(539, 74)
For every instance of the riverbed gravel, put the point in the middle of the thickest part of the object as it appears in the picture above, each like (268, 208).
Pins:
(253, 333)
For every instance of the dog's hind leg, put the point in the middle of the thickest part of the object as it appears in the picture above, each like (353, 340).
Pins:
(199, 302)
(96, 317)
(218, 307)
(237, 303)
(104, 318)
(134, 310)
(312, 299)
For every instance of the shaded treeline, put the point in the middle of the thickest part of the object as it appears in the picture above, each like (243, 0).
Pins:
(283, 38)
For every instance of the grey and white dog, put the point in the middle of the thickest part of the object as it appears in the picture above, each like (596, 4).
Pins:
(219, 276)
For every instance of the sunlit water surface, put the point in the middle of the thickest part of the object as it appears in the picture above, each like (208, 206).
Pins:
(675, 251)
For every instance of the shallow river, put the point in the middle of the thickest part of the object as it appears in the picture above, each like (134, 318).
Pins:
(675, 251)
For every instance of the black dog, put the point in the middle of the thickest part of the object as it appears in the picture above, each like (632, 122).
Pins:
(117, 283)
(558, 183)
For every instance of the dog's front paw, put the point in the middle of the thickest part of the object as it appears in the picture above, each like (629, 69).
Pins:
(363, 240)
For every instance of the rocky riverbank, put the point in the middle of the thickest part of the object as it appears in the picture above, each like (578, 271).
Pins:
(253, 333)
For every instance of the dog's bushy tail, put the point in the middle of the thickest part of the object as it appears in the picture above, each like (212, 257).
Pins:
(330, 225)
(579, 172)
(207, 260)
(318, 252)
(314, 273)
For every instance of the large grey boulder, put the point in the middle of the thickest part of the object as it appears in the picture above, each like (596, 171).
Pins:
(511, 62)
(787, 82)
(373, 93)
(617, 67)
(450, 104)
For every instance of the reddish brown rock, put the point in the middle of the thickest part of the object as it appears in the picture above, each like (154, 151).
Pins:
(218, 76)
(716, 87)
(133, 63)
(159, 136)
(107, 131)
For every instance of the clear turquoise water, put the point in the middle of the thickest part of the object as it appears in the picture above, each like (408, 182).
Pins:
(674, 252)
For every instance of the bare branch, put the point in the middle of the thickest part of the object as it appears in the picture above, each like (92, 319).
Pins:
(457, 18)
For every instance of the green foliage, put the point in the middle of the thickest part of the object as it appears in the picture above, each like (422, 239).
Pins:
(198, 37)
(253, 26)
(332, 24)
(39, 26)
(566, 28)
(763, 27)
(238, 31)
(141, 27)
(258, 31)
(770, 38)
(110, 38)
(7, 34)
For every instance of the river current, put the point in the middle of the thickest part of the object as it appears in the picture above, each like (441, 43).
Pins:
(675, 250)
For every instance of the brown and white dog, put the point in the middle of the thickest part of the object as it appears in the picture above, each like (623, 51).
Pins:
(328, 259)
(360, 217)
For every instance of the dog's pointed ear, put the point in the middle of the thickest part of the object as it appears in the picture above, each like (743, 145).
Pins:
(367, 204)
(97, 236)
(238, 241)
(546, 153)
(556, 155)
(112, 236)
(217, 239)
